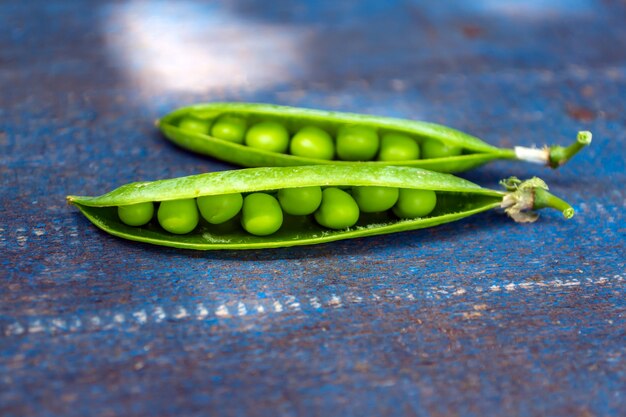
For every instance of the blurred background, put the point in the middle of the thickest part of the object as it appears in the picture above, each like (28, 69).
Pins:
(479, 317)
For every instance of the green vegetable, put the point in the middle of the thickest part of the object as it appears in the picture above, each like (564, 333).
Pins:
(136, 214)
(261, 214)
(375, 199)
(230, 128)
(357, 143)
(437, 149)
(217, 209)
(178, 217)
(338, 209)
(398, 147)
(194, 125)
(268, 136)
(300, 201)
(312, 142)
(267, 146)
(415, 203)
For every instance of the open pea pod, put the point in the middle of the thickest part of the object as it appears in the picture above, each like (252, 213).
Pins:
(254, 135)
(456, 198)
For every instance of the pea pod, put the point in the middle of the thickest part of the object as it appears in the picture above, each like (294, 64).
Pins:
(443, 149)
(456, 199)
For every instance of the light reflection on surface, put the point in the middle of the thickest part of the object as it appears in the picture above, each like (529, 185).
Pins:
(532, 8)
(185, 47)
(528, 9)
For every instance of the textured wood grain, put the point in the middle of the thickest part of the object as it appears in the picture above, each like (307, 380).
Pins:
(478, 318)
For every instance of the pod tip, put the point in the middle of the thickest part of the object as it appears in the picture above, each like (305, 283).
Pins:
(584, 137)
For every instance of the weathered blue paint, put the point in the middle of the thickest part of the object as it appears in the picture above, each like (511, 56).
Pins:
(478, 318)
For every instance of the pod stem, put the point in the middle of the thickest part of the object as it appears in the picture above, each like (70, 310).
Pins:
(553, 156)
(525, 196)
(559, 155)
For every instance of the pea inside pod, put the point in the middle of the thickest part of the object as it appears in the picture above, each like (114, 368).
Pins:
(266, 225)
(289, 136)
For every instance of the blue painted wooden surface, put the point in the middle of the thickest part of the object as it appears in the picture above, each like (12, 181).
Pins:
(478, 318)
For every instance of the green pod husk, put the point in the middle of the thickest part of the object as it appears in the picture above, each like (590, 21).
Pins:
(475, 151)
(457, 198)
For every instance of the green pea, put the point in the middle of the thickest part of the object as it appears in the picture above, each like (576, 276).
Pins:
(217, 209)
(195, 125)
(261, 214)
(229, 127)
(414, 203)
(312, 142)
(178, 216)
(375, 199)
(300, 201)
(136, 214)
(357, 143)
(269, 136)
(398, 147)
(435, 149)
(338, 209)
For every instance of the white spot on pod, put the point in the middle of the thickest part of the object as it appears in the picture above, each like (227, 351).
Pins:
(533, 155)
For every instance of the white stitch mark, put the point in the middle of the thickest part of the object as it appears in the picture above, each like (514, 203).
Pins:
(36, 327)
(159, 314)
(14, 329)
(222, 311)
(354, 298)
(75, 324)
(335, 301)
(241, 309)
(315, 302)
(293, 303)
(567, 284)
(181, 313)
(140, 316)
(201, 311)
(39, 232)
(410, 296)
(59, 324)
